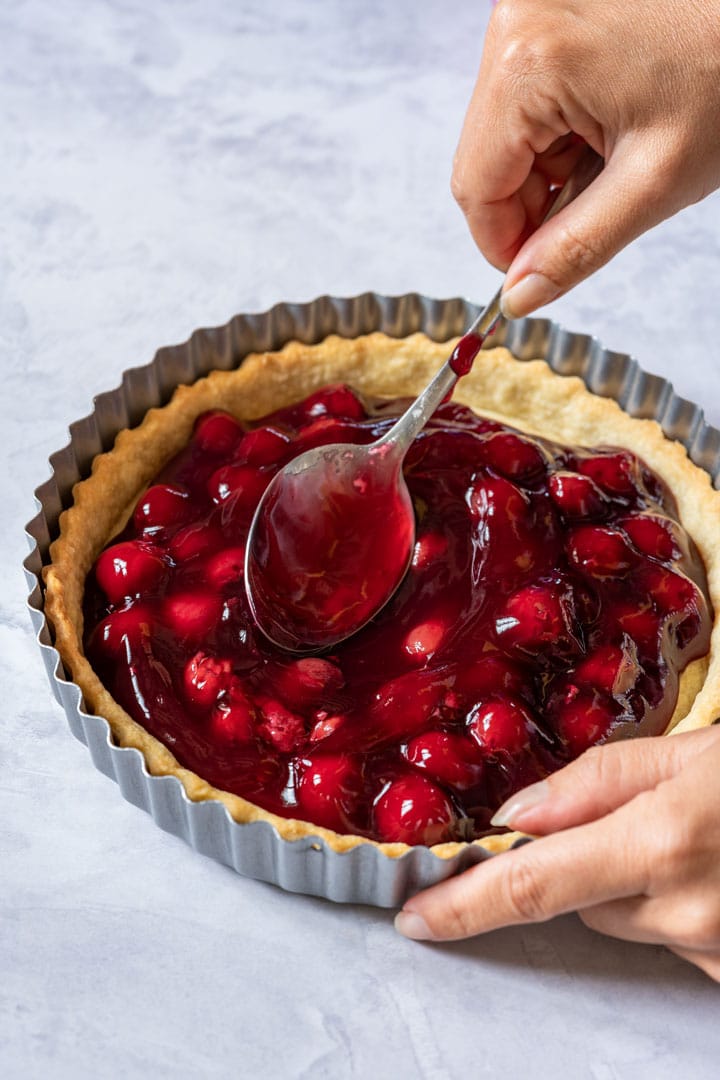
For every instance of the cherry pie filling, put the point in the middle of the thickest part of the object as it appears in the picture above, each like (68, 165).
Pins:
(552, 602)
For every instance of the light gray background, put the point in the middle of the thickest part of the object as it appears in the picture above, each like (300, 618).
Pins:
(164, 166)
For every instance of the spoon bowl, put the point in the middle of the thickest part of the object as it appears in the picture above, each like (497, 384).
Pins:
(329, 544)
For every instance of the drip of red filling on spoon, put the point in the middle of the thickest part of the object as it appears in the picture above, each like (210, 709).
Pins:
(464, 353)
(551, 603)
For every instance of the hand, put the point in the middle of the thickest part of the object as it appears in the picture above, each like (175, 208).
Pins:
(634, 849)
(639, 81)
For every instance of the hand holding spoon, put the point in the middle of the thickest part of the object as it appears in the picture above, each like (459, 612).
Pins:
(333, 535)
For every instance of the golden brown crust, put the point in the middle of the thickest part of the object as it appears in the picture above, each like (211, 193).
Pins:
(527, 395)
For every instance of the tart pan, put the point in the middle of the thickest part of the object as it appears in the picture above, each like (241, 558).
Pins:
(363, 874)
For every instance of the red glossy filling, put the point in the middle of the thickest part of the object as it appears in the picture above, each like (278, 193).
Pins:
(464, 353)
(551, 603)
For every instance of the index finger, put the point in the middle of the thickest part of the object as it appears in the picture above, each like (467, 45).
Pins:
(567, 871)
(489, 172)
(501, 226)
(515, 141)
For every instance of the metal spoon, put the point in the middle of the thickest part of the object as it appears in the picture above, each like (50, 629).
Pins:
(333, 535)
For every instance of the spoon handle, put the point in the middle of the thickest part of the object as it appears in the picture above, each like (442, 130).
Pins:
(402, 433)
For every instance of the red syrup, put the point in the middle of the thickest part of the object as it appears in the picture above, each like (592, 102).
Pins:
(464, 353)
(551, 602)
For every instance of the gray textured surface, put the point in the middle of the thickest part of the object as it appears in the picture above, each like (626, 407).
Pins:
(162, 169)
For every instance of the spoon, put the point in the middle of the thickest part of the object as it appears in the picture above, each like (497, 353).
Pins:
(332, 537)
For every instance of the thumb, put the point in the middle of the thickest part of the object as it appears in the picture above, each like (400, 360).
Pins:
(601, 780)
(634, 191)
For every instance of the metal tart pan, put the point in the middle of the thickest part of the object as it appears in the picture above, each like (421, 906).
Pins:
(363, 874)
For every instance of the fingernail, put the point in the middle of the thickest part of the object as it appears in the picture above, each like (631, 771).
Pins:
(519, 803)
(528, 293)
(412, 925)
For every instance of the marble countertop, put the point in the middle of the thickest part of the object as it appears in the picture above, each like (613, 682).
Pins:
(164, 166)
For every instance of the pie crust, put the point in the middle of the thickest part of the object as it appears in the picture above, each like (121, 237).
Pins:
(528, 395)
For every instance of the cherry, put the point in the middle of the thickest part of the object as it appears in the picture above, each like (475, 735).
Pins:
(403, 706)
(639, 621)
(424, 640)
(539, 618)
(322, 432)
(217, 433)
(492, 674)
(130, 624)
(600, 551)
(413, 810)
(280, 727)
(233, 718)
(496, 497)
(205, 678)
(447, 757)
(244, 482)
(502, 726)
(161, 507)
(671, 593)
(226, 567)
(328, 789)
(444, 450)
(652, 535)
(584, 719)
(309, 680)
(263, 446)
(513, 456)
(576, 496)
(129, 568)
(504, 519)
(193, 540)
(611, 668)
(337, 400)
(429, 548)
(191, 615)
(616, 473)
